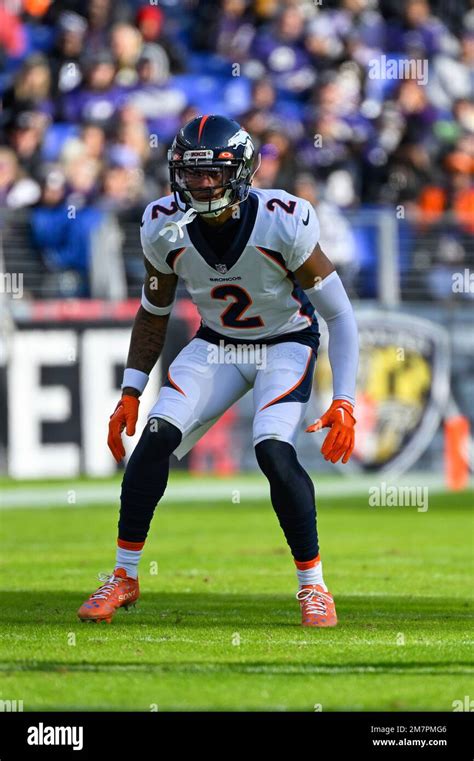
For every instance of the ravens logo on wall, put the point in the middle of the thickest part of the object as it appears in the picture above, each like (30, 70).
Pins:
(402, 389)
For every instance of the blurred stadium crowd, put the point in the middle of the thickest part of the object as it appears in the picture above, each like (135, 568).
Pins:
(94, 90)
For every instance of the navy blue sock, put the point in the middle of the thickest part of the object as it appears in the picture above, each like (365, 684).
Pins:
(292, 495)
(145, 478)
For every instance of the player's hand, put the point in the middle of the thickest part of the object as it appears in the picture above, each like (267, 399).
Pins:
(124, 416)
(339, 442)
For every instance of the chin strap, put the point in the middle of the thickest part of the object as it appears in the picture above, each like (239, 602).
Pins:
(175, 229)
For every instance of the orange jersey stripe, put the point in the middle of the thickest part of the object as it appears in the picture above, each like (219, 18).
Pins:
(268, 254)
(175, 385)
(285, 393)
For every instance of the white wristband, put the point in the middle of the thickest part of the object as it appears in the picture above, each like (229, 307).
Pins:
(134, 379)
(160, 311)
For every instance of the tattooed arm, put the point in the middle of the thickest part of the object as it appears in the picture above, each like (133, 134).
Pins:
(149, 330)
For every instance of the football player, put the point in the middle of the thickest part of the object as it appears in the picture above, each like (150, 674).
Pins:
(251, 262)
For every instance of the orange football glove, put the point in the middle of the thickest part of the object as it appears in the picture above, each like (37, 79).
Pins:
(124, 416)
(340, 439)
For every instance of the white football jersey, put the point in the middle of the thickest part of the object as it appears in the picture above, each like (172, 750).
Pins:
(249, 293)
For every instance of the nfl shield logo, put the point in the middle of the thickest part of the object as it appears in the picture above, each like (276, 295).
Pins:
(222, 268)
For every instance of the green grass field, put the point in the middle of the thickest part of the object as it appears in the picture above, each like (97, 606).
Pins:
(218, 627)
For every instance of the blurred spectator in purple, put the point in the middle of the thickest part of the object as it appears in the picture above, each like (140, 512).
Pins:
(323, 41)
(211, 30)
(418, 33)
(65, 58)
(234, 30)
(154, 95)
(268, 112)
(338, 132)
(326, 145)
(123, 180)
(403, 154)
(102, 15)
(98, 98)
(279, 50)
(419, 114)
(355, 28)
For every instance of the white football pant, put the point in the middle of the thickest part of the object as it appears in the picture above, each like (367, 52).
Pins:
(205, 380)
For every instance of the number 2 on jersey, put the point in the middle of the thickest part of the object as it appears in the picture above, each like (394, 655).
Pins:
(231, 317)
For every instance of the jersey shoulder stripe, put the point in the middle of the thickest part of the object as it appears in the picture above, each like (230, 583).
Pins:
(274, 256)
(172, 257)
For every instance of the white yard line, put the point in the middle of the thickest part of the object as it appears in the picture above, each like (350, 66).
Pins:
(78, 494)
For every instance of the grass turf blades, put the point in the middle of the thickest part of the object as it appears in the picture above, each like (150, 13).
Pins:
(218, 627)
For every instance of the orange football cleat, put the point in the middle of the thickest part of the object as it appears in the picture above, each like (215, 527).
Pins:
(117, 591)
(317, 606)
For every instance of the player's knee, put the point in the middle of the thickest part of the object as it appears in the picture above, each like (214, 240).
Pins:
(162, 437)
(275, 458)
(158, 440)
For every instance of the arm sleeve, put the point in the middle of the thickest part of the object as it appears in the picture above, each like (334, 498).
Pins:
(330, 300)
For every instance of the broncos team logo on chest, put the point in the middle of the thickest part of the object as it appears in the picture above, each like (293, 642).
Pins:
(253, 297)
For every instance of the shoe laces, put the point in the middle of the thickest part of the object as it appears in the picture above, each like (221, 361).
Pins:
(314, 600)
(108, 587)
